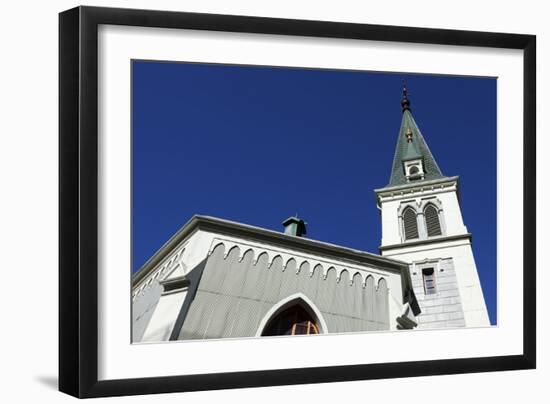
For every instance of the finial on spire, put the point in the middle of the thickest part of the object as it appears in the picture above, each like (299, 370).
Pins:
(405, 103)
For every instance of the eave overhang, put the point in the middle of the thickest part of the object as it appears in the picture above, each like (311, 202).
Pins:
(227, 227)
(417, 186)
(302, 244)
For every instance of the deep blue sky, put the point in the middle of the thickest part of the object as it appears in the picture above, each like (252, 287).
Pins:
(259, 144)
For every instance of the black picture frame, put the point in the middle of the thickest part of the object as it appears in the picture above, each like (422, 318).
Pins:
(78, 200)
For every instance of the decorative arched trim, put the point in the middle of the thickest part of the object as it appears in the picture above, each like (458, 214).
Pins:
(342, 272)
(229, 250)
(381, 282)
(317, 268)
(373, 281)
(260, 256)
(433, 201)
(273, 258)
(214, 246)
(288, 258)
(244, 252)
(331, 268)
(303, 267)
(408, 204)
(288, 262)
(359, 279)
(161, 272)
(297, 298)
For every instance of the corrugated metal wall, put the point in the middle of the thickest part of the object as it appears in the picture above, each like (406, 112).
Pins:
(233, 297)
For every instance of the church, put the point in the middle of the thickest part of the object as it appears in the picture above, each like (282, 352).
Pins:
(217, 278)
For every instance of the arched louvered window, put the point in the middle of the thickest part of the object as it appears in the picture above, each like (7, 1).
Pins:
(433, 226)
(409, 224)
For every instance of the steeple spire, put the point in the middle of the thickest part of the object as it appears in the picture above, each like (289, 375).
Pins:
(412, 148)
(405, 102)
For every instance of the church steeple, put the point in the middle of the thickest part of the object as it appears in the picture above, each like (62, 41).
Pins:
(422, 225)
(413, 160)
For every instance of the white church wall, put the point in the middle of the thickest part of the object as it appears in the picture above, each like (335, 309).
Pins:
(471, 294)
(442, 308)
(163, 319)
(391, 232)
(444, 195)
(452, 215)
(154, 314)
(395, 300)
(143, 307)
(475, 309)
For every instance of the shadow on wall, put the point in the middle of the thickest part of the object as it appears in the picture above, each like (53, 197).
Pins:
(51, 382)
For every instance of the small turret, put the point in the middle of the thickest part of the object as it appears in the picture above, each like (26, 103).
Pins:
(295, 226)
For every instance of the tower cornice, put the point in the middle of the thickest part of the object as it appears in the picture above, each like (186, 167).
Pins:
(414, 188)
(435, 242)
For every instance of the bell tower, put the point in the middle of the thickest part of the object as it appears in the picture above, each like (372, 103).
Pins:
(422, 224)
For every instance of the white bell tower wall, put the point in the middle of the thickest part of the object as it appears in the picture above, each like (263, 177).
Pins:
(457, 298)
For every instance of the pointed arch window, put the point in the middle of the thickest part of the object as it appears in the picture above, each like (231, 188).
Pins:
(294, 320)
(433, 225)
(409, 224)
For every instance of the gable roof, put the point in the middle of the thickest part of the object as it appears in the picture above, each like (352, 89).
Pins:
(228, 227)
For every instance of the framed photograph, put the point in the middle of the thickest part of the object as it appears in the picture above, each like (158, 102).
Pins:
(250, 201)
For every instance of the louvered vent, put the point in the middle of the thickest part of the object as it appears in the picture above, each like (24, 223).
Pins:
(411, 227)
(429, 281)
(432, 221)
